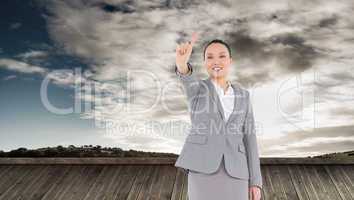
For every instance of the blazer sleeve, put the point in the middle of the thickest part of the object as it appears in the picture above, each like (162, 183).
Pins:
(250, 141)
(190, 83)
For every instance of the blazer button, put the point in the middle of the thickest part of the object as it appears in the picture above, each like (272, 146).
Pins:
(241, 148)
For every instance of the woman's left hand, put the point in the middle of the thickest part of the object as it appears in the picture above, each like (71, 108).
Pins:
(254, 193)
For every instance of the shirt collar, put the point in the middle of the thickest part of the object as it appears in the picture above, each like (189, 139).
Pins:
(220, 89)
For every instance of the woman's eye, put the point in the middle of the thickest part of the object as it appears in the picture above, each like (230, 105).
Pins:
(222, 56)
(210, 57)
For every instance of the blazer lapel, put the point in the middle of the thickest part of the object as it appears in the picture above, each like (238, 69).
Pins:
(217, 101)
(236, 103)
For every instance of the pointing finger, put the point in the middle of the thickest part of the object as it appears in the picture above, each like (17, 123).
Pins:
(194, 38)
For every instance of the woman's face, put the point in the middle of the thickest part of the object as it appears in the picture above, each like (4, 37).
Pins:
(217, 60)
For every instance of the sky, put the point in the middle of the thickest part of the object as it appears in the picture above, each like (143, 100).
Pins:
(101, 72)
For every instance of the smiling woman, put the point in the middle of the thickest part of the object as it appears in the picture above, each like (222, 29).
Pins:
(217, 60)
(220, 153)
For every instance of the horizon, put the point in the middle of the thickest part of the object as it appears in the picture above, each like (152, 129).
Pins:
(102, 72)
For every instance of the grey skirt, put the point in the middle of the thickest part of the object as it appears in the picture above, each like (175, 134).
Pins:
(218, 185)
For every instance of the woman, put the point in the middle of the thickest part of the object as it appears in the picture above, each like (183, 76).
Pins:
(226, 165)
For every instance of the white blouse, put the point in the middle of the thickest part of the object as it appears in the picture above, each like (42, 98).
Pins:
(227, 99)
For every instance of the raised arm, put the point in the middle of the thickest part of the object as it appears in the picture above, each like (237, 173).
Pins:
(184, 69)
(190, 83)
(183, 53)
(250, 140)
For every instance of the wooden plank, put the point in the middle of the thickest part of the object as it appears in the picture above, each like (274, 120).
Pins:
(109, 186)
(107, 176)
(156, 186)
(286, 182)
(306, 179)
(278, 188)
(327, 183)
(161, 184)
(269, 181)
(339, 182)
(305, 161)
(51, 180)
(81, 188)
(88, 161)
(4, 169)
(8, 175)
(111, 191)
(60, 187)
(71, 186)
(161, 160)
(126, 181)
(298, 182)
(10, 179)
(263, 194)
(33, 185)
(97, 183)
(267, 189)
(348, 176)
(184, 194)
(139, 181)
(177, 187)
(169, 176)
(23, 182)
(324, 187)
(129, 182)
(349, 171)
(145, 192)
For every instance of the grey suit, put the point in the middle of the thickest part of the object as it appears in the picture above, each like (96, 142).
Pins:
(210, 137)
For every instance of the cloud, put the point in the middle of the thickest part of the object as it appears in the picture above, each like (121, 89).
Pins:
(266, 42)
(32, 54)
(134, 42)
(59, 77)
(62, 77)
(22, 67)
(9, 77)
(123, 7)
(15, 25)
(314, 142)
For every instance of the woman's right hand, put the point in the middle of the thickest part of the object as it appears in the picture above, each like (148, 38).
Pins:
(183, 53)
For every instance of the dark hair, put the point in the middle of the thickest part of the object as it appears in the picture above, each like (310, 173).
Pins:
(217, 41)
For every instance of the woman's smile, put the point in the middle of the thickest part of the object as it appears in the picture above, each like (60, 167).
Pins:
(217, 68)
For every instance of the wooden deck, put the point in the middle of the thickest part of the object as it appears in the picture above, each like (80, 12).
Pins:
(154, 178)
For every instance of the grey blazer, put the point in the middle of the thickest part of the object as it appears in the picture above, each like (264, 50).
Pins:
(210, 137)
